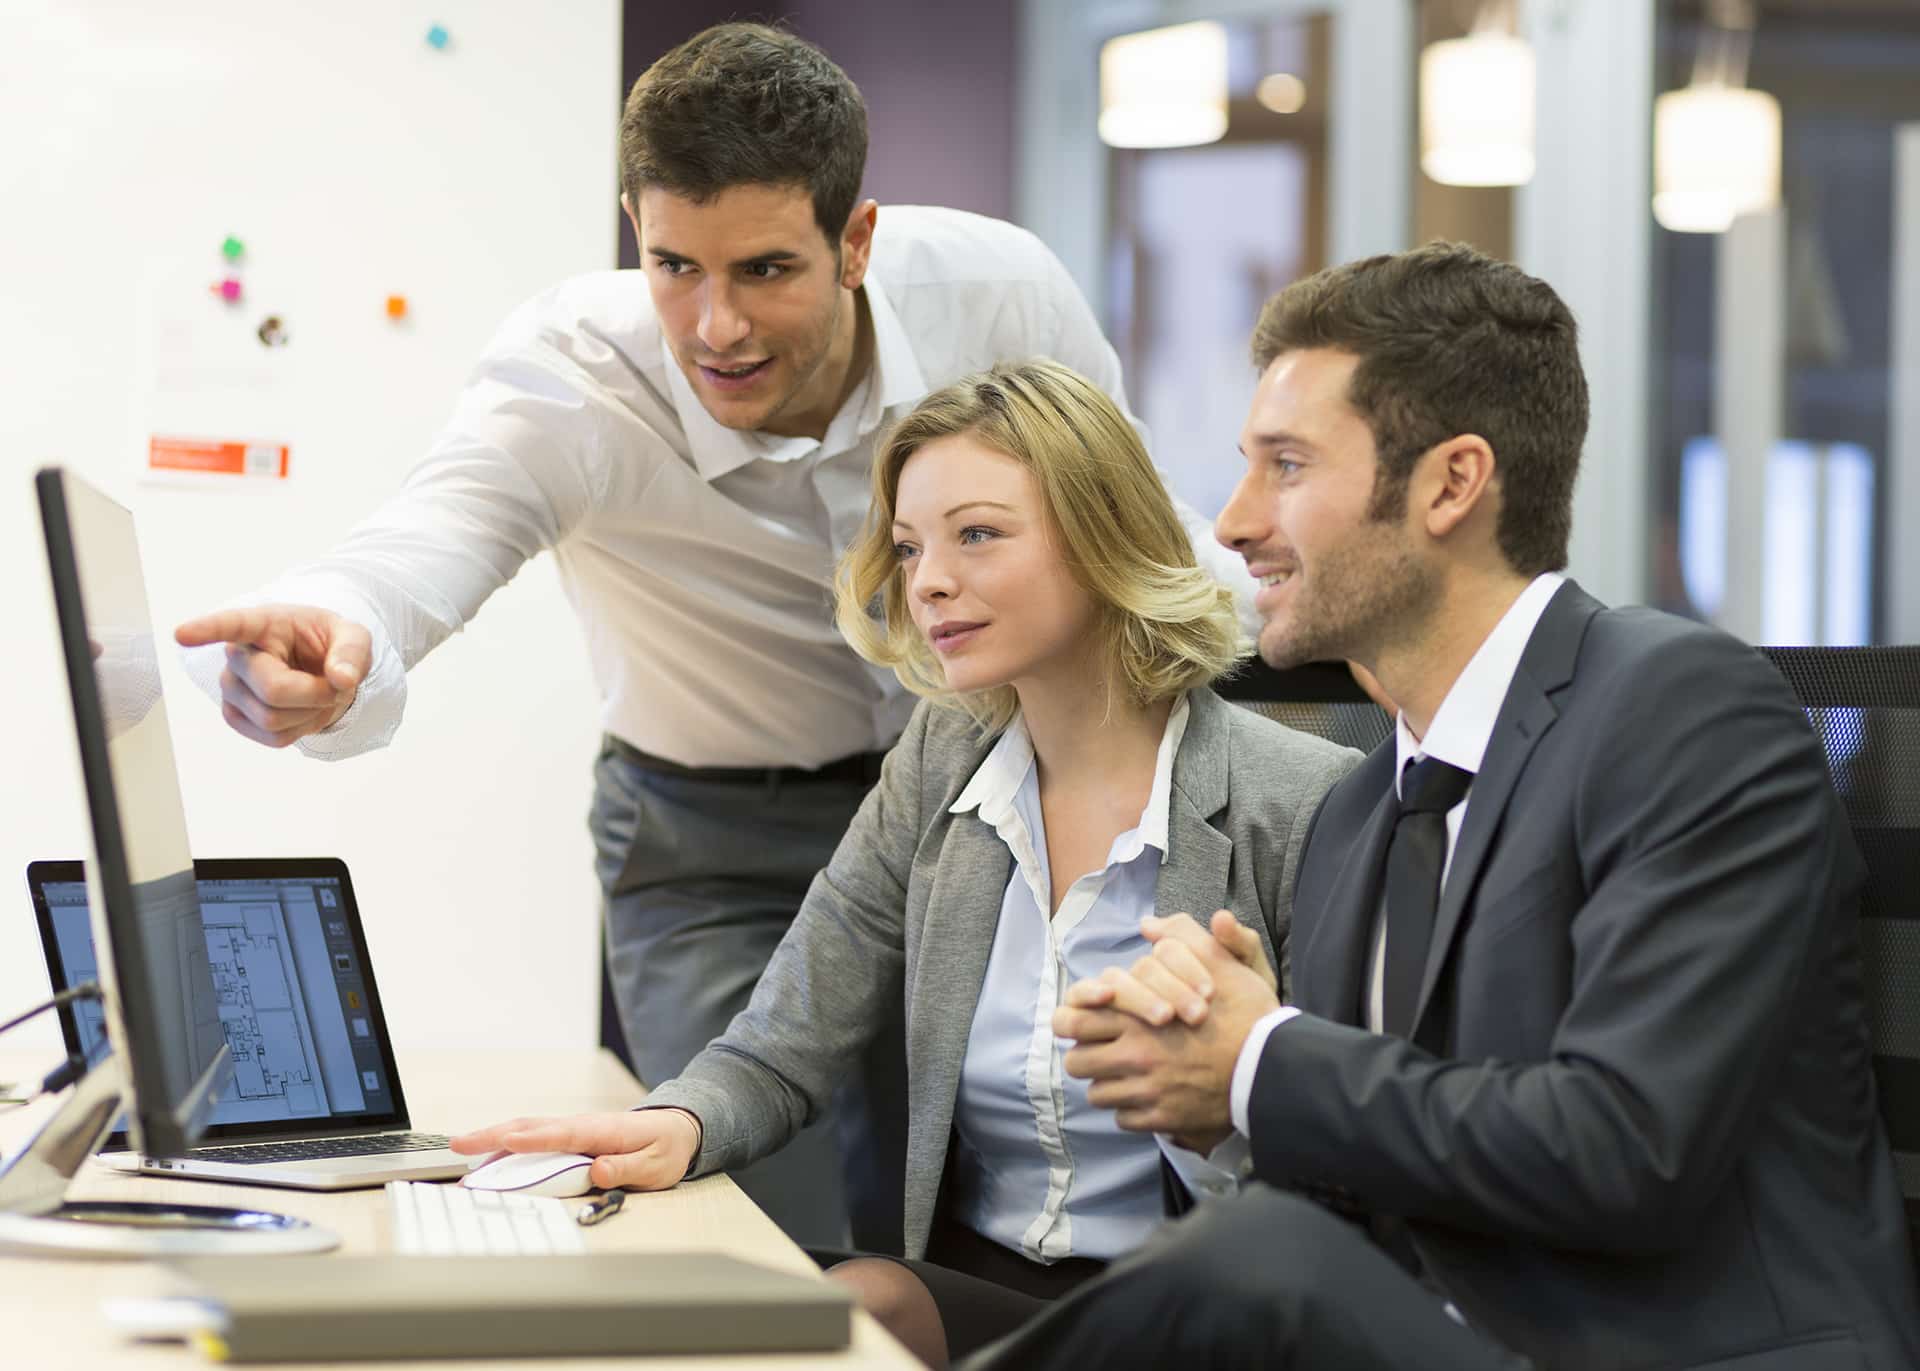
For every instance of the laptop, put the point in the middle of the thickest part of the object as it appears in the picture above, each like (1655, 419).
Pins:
(315, 1100)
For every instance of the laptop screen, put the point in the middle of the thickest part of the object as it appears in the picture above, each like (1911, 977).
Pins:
(296, 996)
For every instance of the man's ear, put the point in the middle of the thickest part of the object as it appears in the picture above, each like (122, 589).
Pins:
(1460, 476)
(856, 243)
(633, 217)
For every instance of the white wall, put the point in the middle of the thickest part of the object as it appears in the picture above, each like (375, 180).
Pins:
(354, 161)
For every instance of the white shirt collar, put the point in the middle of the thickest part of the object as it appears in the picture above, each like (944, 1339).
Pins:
(897, 366)
(997, 782)
(1463, 725)
(895, 379)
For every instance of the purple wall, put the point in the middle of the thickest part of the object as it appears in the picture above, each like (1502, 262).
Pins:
(938, 79)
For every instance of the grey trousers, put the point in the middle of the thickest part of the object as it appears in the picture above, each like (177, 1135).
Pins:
(702, 879)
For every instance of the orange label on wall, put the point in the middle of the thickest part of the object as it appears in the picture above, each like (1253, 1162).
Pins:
(224, 459)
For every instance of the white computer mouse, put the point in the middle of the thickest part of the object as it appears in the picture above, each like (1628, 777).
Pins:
(532, 1173)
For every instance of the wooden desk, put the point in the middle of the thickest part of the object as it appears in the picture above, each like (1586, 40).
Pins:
(49, 1308)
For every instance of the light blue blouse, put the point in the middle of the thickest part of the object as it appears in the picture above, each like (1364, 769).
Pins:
(1039, 1169)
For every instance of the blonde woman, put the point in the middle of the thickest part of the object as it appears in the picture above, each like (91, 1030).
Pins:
(1067, 776)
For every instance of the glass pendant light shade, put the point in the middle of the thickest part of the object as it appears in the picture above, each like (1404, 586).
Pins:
(1164, 88)
(1476, 110)
(1716, 155)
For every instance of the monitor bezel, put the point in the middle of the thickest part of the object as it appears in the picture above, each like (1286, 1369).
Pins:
(161, 1126)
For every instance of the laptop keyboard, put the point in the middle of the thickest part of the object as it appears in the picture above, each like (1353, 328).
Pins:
(308, 1149)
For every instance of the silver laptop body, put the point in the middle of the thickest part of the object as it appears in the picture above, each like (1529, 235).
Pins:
(315, 1102)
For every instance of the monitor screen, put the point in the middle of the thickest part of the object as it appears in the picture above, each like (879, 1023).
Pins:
(159, 1006)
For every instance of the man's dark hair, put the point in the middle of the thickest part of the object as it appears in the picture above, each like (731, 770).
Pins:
(745, 104)
(1451, 341)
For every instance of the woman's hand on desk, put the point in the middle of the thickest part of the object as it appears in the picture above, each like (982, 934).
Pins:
(643, 1149)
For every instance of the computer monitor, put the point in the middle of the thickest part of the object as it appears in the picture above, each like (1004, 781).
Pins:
(170, 1058)
(162, 1014)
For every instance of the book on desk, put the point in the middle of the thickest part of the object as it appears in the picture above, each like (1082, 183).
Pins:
(389, 1308)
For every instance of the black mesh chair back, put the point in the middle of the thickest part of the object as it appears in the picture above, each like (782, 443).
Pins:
(1321, 699)
(1864, 703)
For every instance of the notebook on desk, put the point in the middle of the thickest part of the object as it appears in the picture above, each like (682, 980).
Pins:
(388, 1308)
(315, 1101)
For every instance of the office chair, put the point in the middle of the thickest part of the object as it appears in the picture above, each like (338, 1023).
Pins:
(1321, 698)
(1864, 704)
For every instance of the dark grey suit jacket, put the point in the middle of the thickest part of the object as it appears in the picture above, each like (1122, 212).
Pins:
(1636, 1126)
(910, 904)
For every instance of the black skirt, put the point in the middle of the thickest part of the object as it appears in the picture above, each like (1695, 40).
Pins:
(982, 1290)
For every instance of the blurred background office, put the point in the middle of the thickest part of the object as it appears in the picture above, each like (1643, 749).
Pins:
(1726, 191)
(1721, 188)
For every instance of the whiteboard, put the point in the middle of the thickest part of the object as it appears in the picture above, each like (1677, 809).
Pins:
(354, 161)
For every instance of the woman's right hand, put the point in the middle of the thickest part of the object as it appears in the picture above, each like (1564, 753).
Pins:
(640, 1149)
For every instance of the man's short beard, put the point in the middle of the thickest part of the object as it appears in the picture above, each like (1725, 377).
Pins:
(1377, 592)
(801, 379)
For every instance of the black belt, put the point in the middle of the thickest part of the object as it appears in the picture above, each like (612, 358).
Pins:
(862, 768)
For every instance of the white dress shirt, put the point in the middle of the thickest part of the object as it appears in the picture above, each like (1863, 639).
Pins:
(1037, 1168)
(1458, 735)
(699, 559)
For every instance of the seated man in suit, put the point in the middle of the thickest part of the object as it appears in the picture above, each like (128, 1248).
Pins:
(1576, 1060)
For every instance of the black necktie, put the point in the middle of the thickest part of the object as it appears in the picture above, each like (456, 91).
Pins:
(1415, 857)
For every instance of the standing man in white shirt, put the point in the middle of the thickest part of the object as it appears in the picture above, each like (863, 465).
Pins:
(694, 444)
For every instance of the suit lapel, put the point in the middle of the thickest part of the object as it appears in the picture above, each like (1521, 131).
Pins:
(1525, 716)
(959, 919)
(963, 915)
(1193, 877)
(1328, 971)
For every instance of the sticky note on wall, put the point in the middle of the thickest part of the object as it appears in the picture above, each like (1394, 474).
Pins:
(217, 457)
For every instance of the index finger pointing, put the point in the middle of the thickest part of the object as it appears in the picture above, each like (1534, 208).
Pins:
(225, 626)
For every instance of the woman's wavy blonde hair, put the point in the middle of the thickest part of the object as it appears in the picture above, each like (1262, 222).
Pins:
(1166, 624)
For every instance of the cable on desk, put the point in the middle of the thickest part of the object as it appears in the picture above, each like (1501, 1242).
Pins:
(75, 1065)
(62, 1076)
(86, 990)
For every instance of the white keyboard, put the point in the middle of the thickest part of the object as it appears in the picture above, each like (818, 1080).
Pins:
(452, 1221)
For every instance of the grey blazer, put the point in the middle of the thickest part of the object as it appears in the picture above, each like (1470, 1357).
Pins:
(909, 906)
